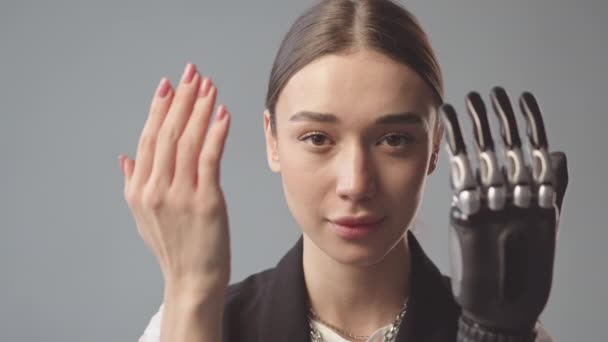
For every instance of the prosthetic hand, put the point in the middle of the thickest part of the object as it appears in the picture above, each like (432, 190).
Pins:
(503, 221)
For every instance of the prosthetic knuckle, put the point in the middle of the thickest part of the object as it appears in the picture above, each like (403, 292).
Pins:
(515, 183)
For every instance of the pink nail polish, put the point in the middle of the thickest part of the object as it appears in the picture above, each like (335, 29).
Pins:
(188, 73)
(204, 88)
(221, 113)
(163, 88)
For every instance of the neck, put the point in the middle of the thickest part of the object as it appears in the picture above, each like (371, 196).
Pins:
(358, 299)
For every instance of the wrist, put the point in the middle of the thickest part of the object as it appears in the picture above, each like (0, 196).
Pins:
(194, 293)
(469, 330)
(190, 315)
(195, 286)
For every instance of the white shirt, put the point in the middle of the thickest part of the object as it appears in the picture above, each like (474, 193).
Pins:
(330, 336)
(152, 331)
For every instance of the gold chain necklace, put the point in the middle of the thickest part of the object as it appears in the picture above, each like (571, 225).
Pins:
(389, 335)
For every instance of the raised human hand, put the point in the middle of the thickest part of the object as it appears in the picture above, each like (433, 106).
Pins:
(173, 188)
(503, 220)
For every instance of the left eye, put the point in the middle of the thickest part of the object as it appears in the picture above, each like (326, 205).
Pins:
(397, 140)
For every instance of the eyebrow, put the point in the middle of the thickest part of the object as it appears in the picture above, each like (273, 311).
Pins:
(387, 119)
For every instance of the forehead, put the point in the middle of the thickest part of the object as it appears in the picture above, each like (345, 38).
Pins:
(364, 83)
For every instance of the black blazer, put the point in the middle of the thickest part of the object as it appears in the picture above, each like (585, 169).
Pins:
(272, 305)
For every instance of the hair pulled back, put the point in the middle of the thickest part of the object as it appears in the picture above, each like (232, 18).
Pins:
(344, 26)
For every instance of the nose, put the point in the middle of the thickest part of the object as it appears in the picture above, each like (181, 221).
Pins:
(355, 175)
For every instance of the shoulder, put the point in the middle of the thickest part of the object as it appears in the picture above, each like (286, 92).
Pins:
(244, 303)
(248, 293)
(447, 282)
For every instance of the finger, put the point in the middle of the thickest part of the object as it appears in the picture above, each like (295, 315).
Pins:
(462, 179)
(534, 119)
(147, 141)
(559, 164)
(121, 164)
(517, 173)
(542, 173)
(481, 126)
(129, 165)
(453, 133)
(126, 168)
(213, 148)
(121, 158)
(171, 130)
(190, 144)
(504, 111)
(491, 177)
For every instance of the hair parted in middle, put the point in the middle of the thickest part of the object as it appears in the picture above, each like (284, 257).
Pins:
(343, 27)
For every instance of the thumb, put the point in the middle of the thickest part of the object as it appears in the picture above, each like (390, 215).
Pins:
(559, 164)
(126, 167)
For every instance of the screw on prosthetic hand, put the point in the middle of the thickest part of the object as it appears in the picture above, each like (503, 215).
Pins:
(503, 220)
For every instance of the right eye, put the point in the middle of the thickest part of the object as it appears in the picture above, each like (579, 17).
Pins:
(316, 139)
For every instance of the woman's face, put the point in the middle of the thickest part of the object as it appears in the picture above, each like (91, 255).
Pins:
(354, 143)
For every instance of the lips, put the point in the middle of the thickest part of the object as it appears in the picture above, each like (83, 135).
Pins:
(356, 227)
(358, 221)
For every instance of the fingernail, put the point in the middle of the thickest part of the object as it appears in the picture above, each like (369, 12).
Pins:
(221, 113)
(163, 88)
(188, 73)
(204, 89)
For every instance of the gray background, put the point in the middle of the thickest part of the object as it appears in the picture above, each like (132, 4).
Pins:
(77, 79)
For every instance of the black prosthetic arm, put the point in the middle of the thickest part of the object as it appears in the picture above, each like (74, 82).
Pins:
(503, 221)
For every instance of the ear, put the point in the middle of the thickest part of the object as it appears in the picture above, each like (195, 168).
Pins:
(272, 150)
(437, 135)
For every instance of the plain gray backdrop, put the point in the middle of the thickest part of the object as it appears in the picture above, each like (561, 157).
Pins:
(77, 78)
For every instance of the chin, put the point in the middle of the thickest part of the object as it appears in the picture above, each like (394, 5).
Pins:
(357, 259)
(362, 253)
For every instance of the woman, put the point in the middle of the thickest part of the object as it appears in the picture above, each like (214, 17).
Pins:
(351, 126)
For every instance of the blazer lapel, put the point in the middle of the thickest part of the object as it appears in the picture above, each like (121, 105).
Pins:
(284, 312)
(432, 312)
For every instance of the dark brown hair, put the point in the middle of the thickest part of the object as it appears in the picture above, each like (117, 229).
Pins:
(343, 26)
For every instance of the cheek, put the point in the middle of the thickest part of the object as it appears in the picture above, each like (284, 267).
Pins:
(305, 183)
(309, 182)
(403, 182)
